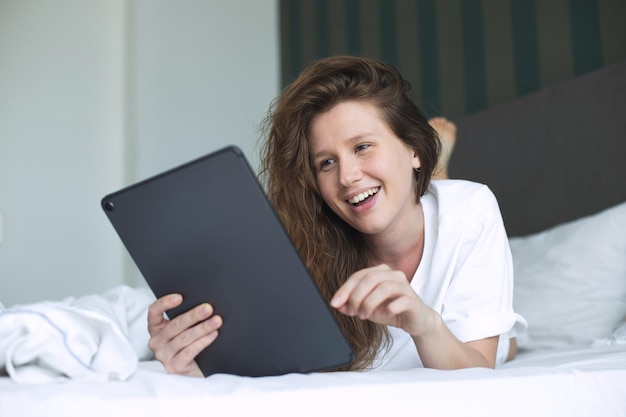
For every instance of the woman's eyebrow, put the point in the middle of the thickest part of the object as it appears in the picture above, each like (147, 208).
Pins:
(351, 140)
(360, 136)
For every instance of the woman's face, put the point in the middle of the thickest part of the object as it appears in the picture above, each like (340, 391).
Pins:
(364, 172)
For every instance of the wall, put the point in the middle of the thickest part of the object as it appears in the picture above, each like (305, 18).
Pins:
(61, 141)
(461, 56)
(96, 95)
(202, 76)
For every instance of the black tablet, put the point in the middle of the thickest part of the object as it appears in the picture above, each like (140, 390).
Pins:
(207, 231)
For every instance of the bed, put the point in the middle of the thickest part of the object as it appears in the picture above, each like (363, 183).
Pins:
(554, 159)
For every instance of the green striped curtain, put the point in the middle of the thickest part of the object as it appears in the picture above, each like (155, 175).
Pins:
(461, 56)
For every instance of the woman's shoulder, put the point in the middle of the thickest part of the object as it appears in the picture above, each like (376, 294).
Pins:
(462, 198)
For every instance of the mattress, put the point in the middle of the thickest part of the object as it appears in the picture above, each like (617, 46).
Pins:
(572, 382)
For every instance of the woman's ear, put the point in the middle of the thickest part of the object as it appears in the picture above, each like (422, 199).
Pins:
(416, 163)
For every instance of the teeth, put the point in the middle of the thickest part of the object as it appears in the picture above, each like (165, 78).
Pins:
(362, 196)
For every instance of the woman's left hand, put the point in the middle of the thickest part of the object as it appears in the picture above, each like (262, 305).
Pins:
(384, 296)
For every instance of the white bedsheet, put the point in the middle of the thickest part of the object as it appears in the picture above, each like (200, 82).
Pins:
(584, 382)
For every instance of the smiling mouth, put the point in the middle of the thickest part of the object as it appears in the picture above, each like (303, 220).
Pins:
(359, 198)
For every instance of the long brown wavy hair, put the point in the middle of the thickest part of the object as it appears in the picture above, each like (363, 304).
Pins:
(331, 249)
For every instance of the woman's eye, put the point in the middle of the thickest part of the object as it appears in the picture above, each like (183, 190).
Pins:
(326, 163)
(362, 147)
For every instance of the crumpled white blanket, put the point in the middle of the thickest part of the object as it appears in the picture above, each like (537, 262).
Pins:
(90, 338)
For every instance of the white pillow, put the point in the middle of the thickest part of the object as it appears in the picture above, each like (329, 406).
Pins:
(617, 338)
(570, 281)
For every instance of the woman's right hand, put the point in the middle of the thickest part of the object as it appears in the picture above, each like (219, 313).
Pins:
(177, 342)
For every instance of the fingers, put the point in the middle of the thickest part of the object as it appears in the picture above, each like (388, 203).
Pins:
(179, 353)
(379, 300)
(179, 325)
(183, 331)
(370, 291)
(178, 341)
(365, 278)
(159, 307)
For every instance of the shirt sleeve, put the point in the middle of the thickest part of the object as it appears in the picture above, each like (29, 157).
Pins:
(479, 300)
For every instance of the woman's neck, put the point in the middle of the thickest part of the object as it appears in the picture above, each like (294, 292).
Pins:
(403, 249)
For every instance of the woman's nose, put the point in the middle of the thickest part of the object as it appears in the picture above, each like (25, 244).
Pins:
(349, 172)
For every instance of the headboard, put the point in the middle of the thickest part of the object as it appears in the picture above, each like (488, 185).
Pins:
(552, 156)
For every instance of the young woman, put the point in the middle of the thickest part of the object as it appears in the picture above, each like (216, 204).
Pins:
(418, 272)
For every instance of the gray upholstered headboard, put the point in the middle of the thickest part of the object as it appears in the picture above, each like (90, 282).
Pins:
(552, 156)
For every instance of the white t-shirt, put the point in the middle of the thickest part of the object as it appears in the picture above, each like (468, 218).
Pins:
(466, 271)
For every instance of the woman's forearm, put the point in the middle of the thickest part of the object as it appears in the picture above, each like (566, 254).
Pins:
(439, 349)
